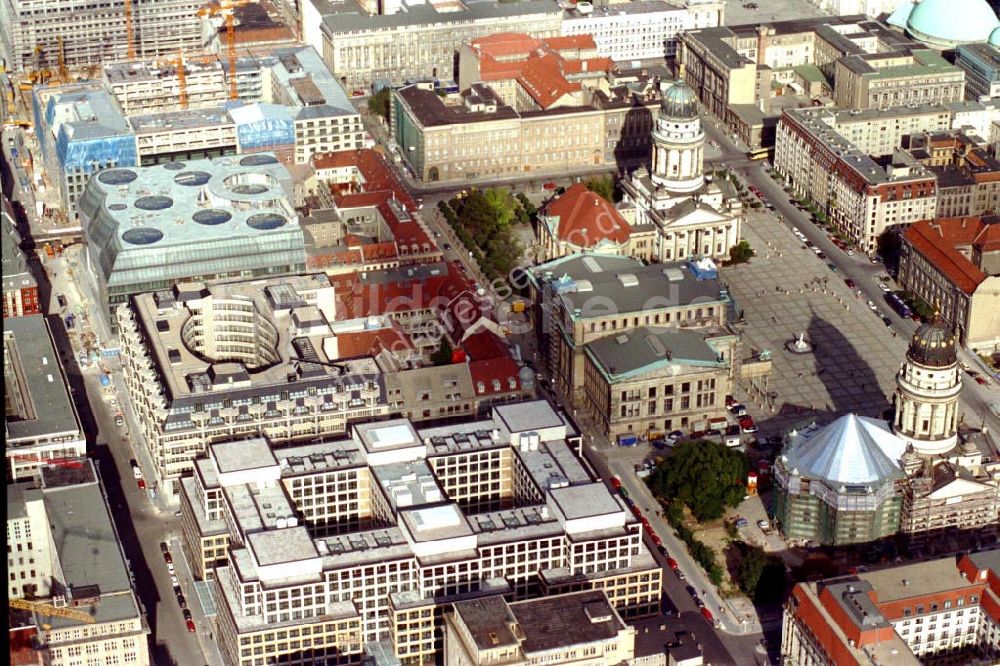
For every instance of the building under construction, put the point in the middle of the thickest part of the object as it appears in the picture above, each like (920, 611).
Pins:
(30, 31)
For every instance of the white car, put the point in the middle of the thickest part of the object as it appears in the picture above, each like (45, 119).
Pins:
(884, 287)
(136, 472)
(872, 306)
(114, 402)
(174, 581)
(795, 230)
(170, 568)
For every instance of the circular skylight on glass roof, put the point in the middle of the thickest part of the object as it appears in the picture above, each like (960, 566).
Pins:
(117, 176)
(211, 217)
(174, 166)
(192, 178)
(154, 203)
(142, 235)
(117, 207)
(266, 221)
(258, 160)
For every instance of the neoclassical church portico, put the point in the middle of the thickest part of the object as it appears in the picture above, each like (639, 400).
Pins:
(694, 215)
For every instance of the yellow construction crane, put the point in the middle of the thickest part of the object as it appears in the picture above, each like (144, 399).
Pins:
(61, 59)
(182, 79)
(50, 610)
(225, 8)
(128, 30)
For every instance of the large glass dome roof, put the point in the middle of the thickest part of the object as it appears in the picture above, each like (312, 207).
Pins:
(948, 23)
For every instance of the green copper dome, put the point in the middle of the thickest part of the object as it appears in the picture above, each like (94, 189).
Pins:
(948, 23)
(995, 37)
(679, 102)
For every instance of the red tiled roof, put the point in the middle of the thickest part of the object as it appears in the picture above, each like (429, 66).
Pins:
(936, 241)
(358, 296)
(500, 369)
(504, 44)
(485, 345)
(543, 78)
(370, 343)
(585, 218)
(572, 42)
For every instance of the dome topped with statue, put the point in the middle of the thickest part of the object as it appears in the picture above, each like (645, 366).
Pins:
(679, 102)
(933, 345)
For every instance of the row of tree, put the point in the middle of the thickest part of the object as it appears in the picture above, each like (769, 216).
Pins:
(484, 221)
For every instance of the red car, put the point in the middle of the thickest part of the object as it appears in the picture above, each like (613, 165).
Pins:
(549, 185)
(616, 483)
(656, 540)
(672, 563)
(167, 558)
(190, 626)
(142, 484)
(730, 401)
(636, 511)
(645, 523)
(850, 283)
(707, 614)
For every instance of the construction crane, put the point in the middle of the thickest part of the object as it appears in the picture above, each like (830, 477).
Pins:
(50, 610)
(61, 59)
(182, 79)
(225, 8)
(128, 30)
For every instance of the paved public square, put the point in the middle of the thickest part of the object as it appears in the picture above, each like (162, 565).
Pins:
(787, 290)
(768, 10)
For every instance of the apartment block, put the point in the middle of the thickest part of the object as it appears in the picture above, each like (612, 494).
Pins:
(54, 565)
(879, 132)
(861, 196)
(41, 422)
(155, 86)
(641, 30)
(417, 44)
(582, 298)
(397, 524)
(33, 33)
(968, 176)
(954, 265)
(938, 610)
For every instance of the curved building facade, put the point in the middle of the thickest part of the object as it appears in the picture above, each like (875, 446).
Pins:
(678, 141)
(149, 228)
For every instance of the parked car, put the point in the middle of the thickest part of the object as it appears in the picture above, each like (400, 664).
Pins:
(168, 558)
(730, 401)
(173, 581)
(142, 484)
(886, 321)
(447, 246)
(136, 472)
(190, 626)
(170, 567)
(884, 287)
(763, 524)
(164, 548)
(616, 483)
(119, 421)
(982, 380)
(872, 306)
(672, 563)
(741, 523)
(549, 185)
(850, 283)
(707, 614)
(181, 601)
(661, 549)
(187, 615)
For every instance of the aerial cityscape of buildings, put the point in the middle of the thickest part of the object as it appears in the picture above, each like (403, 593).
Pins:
(477, 332)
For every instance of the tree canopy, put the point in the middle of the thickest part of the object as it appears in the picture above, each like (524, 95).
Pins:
(380, 103)
(443, 355)
(603, 187)
(741, 252)
(487, 217)
(706, 476)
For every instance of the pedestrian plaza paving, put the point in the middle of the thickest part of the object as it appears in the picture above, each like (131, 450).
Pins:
(787, 290)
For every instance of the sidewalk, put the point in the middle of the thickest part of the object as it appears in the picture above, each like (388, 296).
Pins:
(206, 627)
(729, 619)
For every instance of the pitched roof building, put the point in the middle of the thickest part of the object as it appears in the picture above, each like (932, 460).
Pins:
(953, 264)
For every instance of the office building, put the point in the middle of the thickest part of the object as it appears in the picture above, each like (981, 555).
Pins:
(884, 80)
(81, 130)
(651, 381)
(981, 64)
(693, 216)
(224, 218)
(861, 196)
(879, 132)
(936, 611)
(184, 135)
(860, 479)
(196, 374)
(579, 627)
(20, 288)
(582, 298)
(65, 552)
(630, 31)
(475, 134)
(420, 43)
(395, 529)
(579, 220)
(981, 118)
(33, 35)
(953, 264)
(40, 420)
(158, 86)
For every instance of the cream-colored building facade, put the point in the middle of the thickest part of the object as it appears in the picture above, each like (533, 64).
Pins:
(897, 79)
